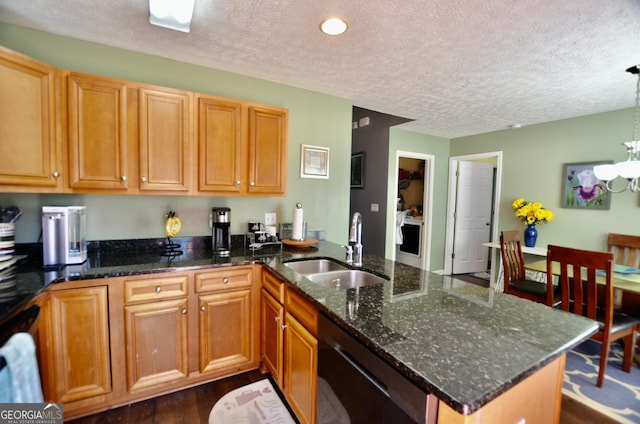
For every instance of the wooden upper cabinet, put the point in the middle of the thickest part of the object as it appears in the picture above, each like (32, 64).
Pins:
(267, 150)
(98, 156)
(220, 147)
(164, 140)
(30, 138)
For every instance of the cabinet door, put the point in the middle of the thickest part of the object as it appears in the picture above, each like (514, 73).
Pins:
(30, 155)
(267, 150)
(97, 133)
(220, 150)
(225, 330)
(156, 343)
(300, 369)
(165, 148)
(271, 340)
(77, 345)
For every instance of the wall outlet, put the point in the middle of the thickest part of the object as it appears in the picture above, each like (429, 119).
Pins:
(375, 207)
(270, 218)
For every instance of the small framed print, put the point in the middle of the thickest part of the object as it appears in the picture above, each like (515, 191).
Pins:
(314, 162)
(581, 189)
(357, 170)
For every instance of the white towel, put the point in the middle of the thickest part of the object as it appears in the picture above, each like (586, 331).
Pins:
(24, 379)
(399, 223)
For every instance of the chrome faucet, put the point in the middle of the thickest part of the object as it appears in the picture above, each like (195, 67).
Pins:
(355, 236)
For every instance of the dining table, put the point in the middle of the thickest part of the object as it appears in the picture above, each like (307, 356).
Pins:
(625, 279)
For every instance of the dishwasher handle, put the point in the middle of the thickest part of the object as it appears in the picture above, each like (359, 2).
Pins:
(363, 371)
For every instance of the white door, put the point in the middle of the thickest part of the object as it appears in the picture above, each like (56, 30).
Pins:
(472, 217)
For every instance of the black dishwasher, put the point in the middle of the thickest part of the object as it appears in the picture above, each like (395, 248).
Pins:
(356, 386)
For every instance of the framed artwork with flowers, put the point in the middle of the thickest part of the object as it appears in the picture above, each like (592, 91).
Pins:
(582, 189)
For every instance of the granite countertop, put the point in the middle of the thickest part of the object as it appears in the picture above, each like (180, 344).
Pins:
(464, 343)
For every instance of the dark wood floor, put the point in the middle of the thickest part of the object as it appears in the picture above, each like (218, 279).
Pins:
(192, 406)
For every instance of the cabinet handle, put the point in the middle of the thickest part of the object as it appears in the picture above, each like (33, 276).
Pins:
(225, 280)
(158, 289)
(123, 178)
(56, 174)
(184, 311)
(283, 326)
(143, 179)
(203, 308)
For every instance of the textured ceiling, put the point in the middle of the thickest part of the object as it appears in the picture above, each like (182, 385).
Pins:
(456, 67)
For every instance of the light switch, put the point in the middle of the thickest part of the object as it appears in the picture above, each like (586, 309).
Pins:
(375, 207)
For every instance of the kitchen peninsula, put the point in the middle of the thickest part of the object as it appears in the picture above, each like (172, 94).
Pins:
(467, 347)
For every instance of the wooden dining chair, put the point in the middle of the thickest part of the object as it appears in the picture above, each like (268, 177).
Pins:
(577, 278)
(625, 249)
(515, 281)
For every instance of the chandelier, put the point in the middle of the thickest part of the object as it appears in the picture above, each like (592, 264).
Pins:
(629, 169)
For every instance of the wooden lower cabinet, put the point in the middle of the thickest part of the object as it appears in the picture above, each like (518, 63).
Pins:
(121, 340)
(74, 340)
(156, 343)
(272, 337)
(225, 331)
(289, 344)
(300, 369)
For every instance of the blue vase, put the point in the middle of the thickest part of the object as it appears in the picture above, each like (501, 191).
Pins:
(530, 235)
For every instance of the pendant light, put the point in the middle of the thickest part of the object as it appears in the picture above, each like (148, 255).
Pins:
(629, 169)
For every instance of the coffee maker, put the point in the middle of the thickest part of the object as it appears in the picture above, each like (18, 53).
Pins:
(63, 235)
(221, 231)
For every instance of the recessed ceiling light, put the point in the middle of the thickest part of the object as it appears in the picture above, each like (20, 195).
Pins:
(333, 26)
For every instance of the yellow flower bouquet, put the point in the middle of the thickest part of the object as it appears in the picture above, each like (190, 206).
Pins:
(531, 212)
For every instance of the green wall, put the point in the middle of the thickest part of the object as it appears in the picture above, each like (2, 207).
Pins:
(408, 141)
(532, 168)
(314, 118)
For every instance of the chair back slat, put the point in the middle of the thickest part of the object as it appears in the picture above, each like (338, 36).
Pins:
(625, 248)
(512, 259)
(578, 279)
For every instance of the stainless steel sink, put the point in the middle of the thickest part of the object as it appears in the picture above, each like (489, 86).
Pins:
(345, 279)
(314, 266)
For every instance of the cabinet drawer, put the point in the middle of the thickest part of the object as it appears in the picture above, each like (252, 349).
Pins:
(273, 285)
(224, 279)
(155, 289)
(302, 310)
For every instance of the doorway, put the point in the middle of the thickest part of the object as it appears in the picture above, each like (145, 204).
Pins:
(413, 208)
(469, 224)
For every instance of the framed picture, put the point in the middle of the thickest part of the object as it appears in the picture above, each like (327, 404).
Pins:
(314, 162)
(581, 189)
(357, 170)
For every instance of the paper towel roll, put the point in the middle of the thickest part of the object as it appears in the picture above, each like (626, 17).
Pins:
(298, 223)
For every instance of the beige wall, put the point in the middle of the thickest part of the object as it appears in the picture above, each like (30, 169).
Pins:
(314, 118)
(533, 159)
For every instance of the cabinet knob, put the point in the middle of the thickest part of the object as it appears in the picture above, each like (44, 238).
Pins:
(56, 174)
(184, 311)
(225, 280)
(283, 326)
(203, 308)
(143, 179)
(277, 319)
(237, 182)
(123, 178)
(158, 289)
(252, 183)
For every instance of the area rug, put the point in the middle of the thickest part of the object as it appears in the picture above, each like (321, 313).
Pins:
(619, 396)
(255, 403)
